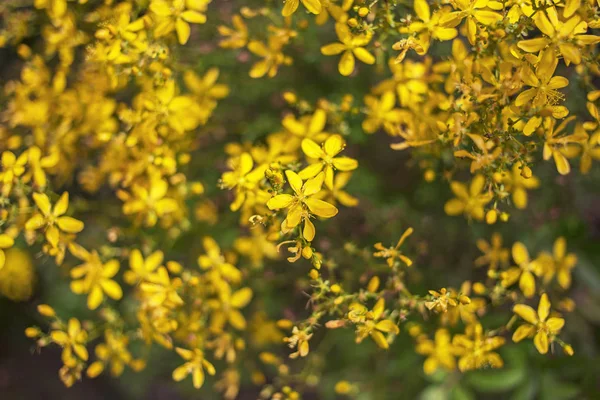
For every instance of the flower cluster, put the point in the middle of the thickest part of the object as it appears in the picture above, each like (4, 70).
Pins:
(112, 149)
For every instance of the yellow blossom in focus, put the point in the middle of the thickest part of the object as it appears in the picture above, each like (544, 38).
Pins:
(299, 340)
(390, 254)
(351, 46)
(538, 324)
(53, 218)
(327, 160)
(302, 204)
(372, 323)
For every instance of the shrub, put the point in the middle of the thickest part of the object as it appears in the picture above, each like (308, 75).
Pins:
(379, 185)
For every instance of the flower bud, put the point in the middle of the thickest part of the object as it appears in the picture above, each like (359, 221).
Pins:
(568, 350)
(46, 310)
(491, 217)
(363, 12)
(290, 97)
(334, 324)
(526, 172)
(373, 284)
(32, 332)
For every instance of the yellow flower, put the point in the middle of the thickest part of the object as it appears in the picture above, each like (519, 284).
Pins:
(302, 203)
(140, 269)
(555, 145)
(206, 88)
(73, 340)
(409, 81)
(483, 159)
(350, 45)
(544, 328)
(93, 277)
(195, 364)
(475, 349)
(404, 45)
(243, 178)
(345, 388)
(272, 56)
(12, 167)
(310, 127)
(440, 352)
(256, 247)
(524, 271)
(53, 218)
(590, 150)
(5, 243)
(181, 113)
(299, 340)
(467, 308)
(330, 8)
(336, 193)
(326, 159)
(55, 9)
(381, 112)
(290, 6)
(371, 323)
(234, 38)
(429, 25)
(178, 14)
(390, 254)
(445, 300)
(214, 260)
(560, 263)
(39, 164)
(564, 36)
(227, 307)
(473, 10)
(494, 254)
(543, 83)
(518, 184)
(113, 352)
(469, 202)
(161, 291)
(149, 203)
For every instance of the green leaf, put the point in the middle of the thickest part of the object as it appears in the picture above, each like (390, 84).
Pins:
(555, 389)
(496, 381)
(434, 393)
(460, 392)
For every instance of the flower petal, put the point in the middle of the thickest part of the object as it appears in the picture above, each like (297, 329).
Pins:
(294, 180)
(321, 208)
(526, 312)
(69, 224)
(346, 64)
(544, 307)
(541, 342)
(280, 201)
